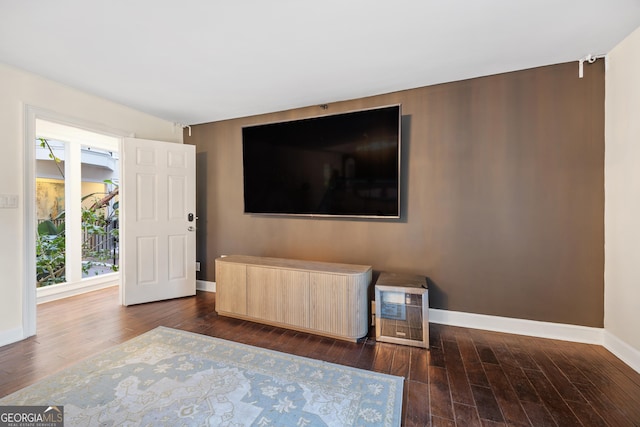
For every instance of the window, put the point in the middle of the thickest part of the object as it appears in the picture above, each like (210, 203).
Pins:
(76, 204)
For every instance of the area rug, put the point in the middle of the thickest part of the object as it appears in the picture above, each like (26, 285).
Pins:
(174, 378)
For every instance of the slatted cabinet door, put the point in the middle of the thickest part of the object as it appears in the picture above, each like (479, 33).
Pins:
(262, 298)
(339, 303)
(293, 297)
(231, 287)
(278, 295)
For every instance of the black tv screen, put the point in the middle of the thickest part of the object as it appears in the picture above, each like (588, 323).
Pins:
(345, 164)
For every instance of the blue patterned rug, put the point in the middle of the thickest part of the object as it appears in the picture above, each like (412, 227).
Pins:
(171, 377)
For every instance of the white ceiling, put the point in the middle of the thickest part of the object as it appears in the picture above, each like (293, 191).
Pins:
(195, 61)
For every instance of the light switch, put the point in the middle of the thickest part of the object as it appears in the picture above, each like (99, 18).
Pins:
(8, 201)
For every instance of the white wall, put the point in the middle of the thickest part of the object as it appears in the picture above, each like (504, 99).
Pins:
(622, 199)
(17, 89)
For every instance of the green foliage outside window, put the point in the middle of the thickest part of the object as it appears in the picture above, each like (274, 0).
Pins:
(97, 225)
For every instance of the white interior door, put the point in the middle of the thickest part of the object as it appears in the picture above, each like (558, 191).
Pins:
(157, 222)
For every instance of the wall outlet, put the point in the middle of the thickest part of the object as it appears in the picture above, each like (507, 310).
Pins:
(373, 313)
(197, 265)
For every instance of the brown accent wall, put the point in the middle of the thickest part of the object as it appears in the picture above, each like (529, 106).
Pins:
(503, 196)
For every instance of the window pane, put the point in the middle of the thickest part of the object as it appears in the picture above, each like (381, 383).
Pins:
(50, 208)
(99, 212)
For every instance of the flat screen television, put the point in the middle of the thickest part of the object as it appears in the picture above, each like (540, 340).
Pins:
(344, 165)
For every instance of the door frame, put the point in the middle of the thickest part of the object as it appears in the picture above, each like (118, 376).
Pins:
(31, 114)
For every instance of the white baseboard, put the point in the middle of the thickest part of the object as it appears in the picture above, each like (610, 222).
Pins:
(56, 292)
(11, 336)
(558, 331)
(622, 350)
(203, 285)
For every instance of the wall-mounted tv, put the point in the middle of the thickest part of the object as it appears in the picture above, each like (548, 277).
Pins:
(345, 165)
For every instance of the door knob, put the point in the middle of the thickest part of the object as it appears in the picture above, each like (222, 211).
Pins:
(191, 228)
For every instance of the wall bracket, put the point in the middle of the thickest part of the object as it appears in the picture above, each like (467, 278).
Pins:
(591, 59)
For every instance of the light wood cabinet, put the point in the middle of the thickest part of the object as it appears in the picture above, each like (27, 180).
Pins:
(324, 298)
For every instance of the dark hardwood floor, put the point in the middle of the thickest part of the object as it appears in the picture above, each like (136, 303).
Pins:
(468, 377)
